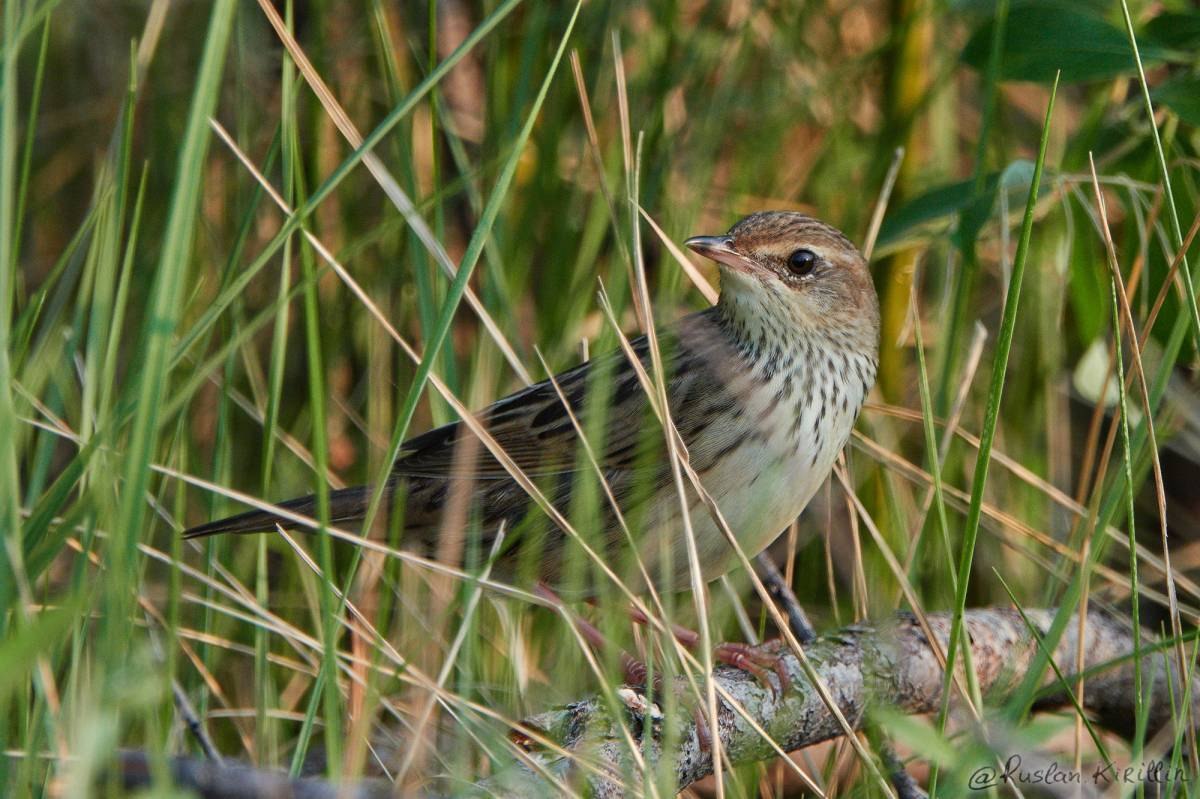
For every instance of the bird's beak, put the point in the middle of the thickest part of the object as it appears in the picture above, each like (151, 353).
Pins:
(718, 248)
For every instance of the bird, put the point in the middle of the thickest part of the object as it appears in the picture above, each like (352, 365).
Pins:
(764, 388)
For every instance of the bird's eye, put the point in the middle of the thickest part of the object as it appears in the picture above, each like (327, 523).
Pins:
(802, 262)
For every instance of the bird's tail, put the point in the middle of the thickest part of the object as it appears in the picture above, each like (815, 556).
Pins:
(345, 505)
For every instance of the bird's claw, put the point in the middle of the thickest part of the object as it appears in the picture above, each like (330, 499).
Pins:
(755, 661)
(703, 733)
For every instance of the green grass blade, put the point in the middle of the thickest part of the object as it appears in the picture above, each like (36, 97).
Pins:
(163, 314)
(991, 417)
(10, 482)
(35, 97)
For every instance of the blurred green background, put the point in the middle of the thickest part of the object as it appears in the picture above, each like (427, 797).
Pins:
(163, 344)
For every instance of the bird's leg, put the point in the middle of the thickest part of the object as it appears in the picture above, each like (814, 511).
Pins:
(633, 670)
(754, 659)
(746, 657)
(783, 595)
(683, 635)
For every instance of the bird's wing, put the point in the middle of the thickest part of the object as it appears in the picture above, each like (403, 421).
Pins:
(536, 432)
(534, 429)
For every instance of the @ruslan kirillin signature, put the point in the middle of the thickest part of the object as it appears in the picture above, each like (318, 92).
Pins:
(1013, 771)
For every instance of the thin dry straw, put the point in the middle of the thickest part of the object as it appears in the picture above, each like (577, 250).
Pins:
(390, 185)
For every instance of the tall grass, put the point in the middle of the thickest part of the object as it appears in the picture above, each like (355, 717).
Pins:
(172, 345)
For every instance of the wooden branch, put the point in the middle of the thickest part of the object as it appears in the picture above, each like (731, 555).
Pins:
(888, 665)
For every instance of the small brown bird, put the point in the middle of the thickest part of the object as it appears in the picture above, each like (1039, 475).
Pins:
(764, 388)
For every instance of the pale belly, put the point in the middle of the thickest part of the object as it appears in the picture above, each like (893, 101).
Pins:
(760, 488)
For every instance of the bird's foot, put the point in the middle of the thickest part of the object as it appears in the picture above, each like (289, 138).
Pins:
(755, 661)
(703, 733)
(633, 671)
(746, 657)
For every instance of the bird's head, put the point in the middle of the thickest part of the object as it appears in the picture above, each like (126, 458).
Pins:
(788, 264)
